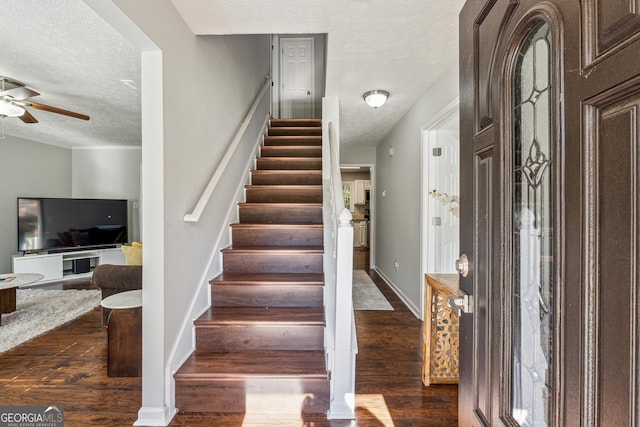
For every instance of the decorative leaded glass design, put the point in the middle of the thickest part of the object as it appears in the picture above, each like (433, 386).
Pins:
(532, 277)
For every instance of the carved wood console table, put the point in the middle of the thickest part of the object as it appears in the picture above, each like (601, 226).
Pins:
(440, 331)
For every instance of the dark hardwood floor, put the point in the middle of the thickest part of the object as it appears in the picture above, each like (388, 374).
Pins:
(67, 367)
(360, 259)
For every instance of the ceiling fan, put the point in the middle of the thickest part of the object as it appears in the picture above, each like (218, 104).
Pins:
(14, 97)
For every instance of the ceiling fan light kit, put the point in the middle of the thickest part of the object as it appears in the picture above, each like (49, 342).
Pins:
(375, 98)
(13, 102)
(7, 109)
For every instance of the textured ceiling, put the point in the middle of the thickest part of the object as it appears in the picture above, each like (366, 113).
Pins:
(76, 61)
(401, 46)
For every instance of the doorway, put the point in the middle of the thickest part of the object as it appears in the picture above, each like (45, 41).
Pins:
(297, 78)
(440, 193)
(298, 75)
(358, 190)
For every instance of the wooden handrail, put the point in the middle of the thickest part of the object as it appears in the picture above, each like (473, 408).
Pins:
(194, 216)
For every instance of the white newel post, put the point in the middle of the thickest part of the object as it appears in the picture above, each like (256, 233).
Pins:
(343, 375)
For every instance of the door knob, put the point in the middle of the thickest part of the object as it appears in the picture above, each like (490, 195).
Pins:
(462, 265)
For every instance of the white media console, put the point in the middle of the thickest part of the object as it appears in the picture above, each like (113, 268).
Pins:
(66, 265)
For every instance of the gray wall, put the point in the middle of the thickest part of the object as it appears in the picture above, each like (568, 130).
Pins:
(398, 213)
(208, 84)
(357, 155)
(110, 173)
(352, 176)
(106, 172)
(28, 169)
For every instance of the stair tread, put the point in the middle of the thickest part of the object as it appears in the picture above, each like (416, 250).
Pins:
(254, 363)
(287, 249)
(314, 148)
(263, 316)
(270, 278)
(284, 187)
(288, 171)
(264, 177)
(287, 147)
(277, 140)
(280, 213)
(296, 122)
(288, 163)
(294, 137)
(296, 128)
(283, 193)
(292, 158)
(291, 171)
(260, 205)
(276, 226)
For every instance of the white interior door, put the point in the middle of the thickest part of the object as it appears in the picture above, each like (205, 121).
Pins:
(297, 78)
(443, 186)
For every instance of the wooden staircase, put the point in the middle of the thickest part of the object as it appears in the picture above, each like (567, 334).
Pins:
(260, 346)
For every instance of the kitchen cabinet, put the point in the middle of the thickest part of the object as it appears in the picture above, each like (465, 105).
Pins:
(360, 234)
(359, 194)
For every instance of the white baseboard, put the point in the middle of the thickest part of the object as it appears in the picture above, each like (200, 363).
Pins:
(410, 305)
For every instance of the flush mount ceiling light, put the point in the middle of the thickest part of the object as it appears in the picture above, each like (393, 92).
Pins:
(7, 109)
(375, 98)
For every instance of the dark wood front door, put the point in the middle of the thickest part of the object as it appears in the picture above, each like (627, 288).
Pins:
(550, 213)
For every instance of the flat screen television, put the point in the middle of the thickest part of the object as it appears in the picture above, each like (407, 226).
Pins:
(64, 224)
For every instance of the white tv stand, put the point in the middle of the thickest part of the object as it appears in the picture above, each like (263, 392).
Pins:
(59, 266)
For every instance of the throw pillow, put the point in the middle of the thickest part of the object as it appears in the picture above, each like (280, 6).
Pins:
(133, 253)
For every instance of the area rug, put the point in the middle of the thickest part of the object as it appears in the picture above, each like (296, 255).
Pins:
(366, 295)
(39, 310)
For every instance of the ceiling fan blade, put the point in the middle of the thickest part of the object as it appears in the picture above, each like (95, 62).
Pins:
(56, 110)
(27, 117)
(20, 93)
